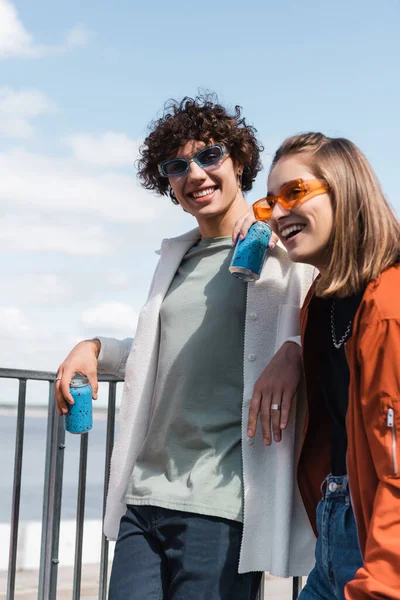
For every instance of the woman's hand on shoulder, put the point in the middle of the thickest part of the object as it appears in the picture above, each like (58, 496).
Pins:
(243, 225)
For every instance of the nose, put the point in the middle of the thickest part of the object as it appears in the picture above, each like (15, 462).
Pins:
(195, 172)
(279, 212)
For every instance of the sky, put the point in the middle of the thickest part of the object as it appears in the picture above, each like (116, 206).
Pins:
(79, 84)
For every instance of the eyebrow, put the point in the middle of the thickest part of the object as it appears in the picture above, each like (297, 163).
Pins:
(193, 153)
(269, 194)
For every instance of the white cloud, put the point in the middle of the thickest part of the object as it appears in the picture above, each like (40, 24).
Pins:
(36, 289)
(117, 279)
(14, 39)
(60, 204)
(78, 36)
(17, 42)
(29, 233)
(13, 323)
(110, 318)
(66, 185)
(109, 149)
(65, 287)
(27, 342)
(81, 204)
(17, 108)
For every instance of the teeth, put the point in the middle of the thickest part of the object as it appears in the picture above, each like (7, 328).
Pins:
(203, 193)
(288, 230)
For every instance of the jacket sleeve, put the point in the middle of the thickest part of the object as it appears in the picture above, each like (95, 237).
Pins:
(379, 361)
(113, 355)
(296, 339)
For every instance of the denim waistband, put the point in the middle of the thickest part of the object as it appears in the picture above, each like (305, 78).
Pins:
(335, 486)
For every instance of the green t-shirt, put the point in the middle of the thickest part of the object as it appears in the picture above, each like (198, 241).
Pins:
(191, 457)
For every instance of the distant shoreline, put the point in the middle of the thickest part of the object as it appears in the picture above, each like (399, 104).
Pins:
(41, 411)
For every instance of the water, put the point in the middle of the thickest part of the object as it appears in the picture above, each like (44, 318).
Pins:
(34, 463)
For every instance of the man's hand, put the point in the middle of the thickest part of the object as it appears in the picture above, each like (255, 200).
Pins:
(277, 385)
(82, 359)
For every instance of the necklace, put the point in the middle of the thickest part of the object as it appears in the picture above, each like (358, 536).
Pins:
(336, 343)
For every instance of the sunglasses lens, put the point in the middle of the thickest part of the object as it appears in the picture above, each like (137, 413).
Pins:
(263, 209)
(176, 166)
(209, 156)
(294, 192)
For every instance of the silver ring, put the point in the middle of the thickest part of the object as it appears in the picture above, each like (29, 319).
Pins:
(275, 407)
(58, 378)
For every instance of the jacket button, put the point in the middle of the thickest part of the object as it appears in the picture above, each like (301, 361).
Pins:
(251, 357)
(253, 316)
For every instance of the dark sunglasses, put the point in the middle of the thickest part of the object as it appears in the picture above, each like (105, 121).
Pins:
(205, 158)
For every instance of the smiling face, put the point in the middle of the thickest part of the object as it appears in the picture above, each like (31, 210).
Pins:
(208, 194)
(304, 230)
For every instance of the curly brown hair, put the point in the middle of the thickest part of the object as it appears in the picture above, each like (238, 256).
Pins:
(201, 118)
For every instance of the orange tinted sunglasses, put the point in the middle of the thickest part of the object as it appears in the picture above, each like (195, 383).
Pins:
(292, 194)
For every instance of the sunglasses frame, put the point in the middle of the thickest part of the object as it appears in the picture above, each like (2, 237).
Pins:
(161, 165)
(311, 188)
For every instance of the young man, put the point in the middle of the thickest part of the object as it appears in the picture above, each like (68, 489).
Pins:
(204, 503)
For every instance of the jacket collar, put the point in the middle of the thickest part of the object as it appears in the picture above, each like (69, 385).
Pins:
(306, 304)
(191, 236)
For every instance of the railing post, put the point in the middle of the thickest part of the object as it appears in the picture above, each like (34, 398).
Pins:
(51, 502)
(52, 493)
(16, 496)
(112, 389)
(261, 590)
(297, 585)
(80, 516)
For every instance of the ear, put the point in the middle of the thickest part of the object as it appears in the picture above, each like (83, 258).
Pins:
(239, 175)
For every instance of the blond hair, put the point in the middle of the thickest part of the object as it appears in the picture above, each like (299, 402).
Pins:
(365, 238)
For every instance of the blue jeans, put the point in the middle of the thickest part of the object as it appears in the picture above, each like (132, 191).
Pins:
(337, 554)
(164, 554)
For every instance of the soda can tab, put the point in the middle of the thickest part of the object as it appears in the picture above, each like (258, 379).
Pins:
(79, 418)
(250, 254)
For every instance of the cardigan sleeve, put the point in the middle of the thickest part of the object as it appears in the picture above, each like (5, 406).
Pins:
(296, 339)
(113, 355)
(379, 355)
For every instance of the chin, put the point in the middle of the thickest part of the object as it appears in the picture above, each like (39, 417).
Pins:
(296, 256)
(209, 210)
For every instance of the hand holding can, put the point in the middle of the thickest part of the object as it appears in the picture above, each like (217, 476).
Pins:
(79, 418)
(250, 253)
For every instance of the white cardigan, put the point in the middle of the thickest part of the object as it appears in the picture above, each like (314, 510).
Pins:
(277, 536)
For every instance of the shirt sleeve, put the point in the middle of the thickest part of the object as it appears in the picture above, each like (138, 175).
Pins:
(379, 360)
(113, 355)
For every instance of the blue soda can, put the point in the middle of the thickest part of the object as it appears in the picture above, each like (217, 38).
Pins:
(79, 417)
(250, 253)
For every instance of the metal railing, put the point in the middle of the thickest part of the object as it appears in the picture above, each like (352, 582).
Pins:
(52, 494)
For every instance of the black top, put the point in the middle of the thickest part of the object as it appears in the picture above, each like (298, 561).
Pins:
(335, 375)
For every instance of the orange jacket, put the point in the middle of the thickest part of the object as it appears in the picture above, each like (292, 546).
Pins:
(373, 430)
